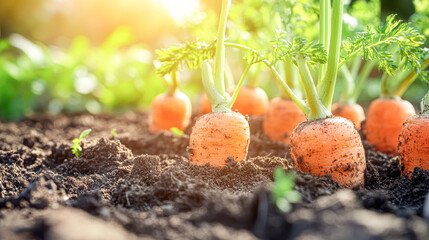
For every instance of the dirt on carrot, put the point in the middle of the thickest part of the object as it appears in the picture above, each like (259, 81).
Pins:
(329, 146)
(216, 137)
(413, 146)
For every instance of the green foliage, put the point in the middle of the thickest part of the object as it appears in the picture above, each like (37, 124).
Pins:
(283, 193)
(111, 77)
(314, 52)
(113, 132)
(191, 53)
(176, 131)
(380, 43)
(76, 147)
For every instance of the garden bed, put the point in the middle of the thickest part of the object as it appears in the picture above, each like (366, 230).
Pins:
(138, 185)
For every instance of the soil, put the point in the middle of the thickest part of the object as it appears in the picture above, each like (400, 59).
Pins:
(136, 185)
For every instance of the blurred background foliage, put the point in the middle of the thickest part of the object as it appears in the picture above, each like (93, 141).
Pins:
(96, 56)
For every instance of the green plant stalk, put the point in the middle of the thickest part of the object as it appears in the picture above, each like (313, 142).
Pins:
(237, 89)
(408, 80)
(425, 104)
(253, 82)
(361, 79)
(317, 109)
(324, 31)
(173, 85)
(327, 86)
(299, 102)
(356, 63)
(217, 101)
(229, 77)
(220, 49)
(350, 84)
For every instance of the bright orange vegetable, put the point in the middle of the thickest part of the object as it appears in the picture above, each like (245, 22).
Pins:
(353, 112)
(329, 146)
(251, 101)
(205, 106)
(413, 147)
(281, 118)
(217, 136)
(384, 122)
(170, 111)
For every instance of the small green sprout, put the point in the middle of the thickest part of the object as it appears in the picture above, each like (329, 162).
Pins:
(113, 132)
(176, 131)
(283, 193)
(77, 148)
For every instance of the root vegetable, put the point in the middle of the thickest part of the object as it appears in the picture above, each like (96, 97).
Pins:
(281, 118)
(170, 111)
(353, 112)
(384, 122)
(329, 146)
(217, 136)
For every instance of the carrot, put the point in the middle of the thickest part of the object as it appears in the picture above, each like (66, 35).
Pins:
(353, 112)
(413, 146)
(323, 144)
(251, 101)
(329, 146)
(222, 134)
(384, 121)
(170, 111)
(217, 136)
(281, 118)
(205, 106)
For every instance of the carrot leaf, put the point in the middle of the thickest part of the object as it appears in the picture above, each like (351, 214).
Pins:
(284, 49)
(191, 53)
(379, 44)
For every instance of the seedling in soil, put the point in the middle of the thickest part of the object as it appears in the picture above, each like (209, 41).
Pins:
(77, 148)
(282, 190)
(176, 131)
(113, 133)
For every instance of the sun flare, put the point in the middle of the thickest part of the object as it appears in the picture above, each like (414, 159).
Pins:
(180, 10)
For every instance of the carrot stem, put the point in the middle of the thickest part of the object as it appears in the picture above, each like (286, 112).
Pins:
(217, 101)
(237, 89)
(220, 49)
(229, 77)
(350, 84)
(327, 86)
(361, 79)
(324, 31)
(174, 84)
(317, 109)
(301, 104)
(408, 80)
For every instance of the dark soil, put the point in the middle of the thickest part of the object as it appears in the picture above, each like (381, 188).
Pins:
(137, 185)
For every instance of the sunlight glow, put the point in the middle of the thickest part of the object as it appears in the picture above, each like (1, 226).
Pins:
(180, 10)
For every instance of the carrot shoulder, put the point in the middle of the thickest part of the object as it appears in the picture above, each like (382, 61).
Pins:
(384, 122)
(251, 101)
(353, 112)
(329, 146)
(217, 136)
(170, 111)
(413, 147)
(281, 118)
